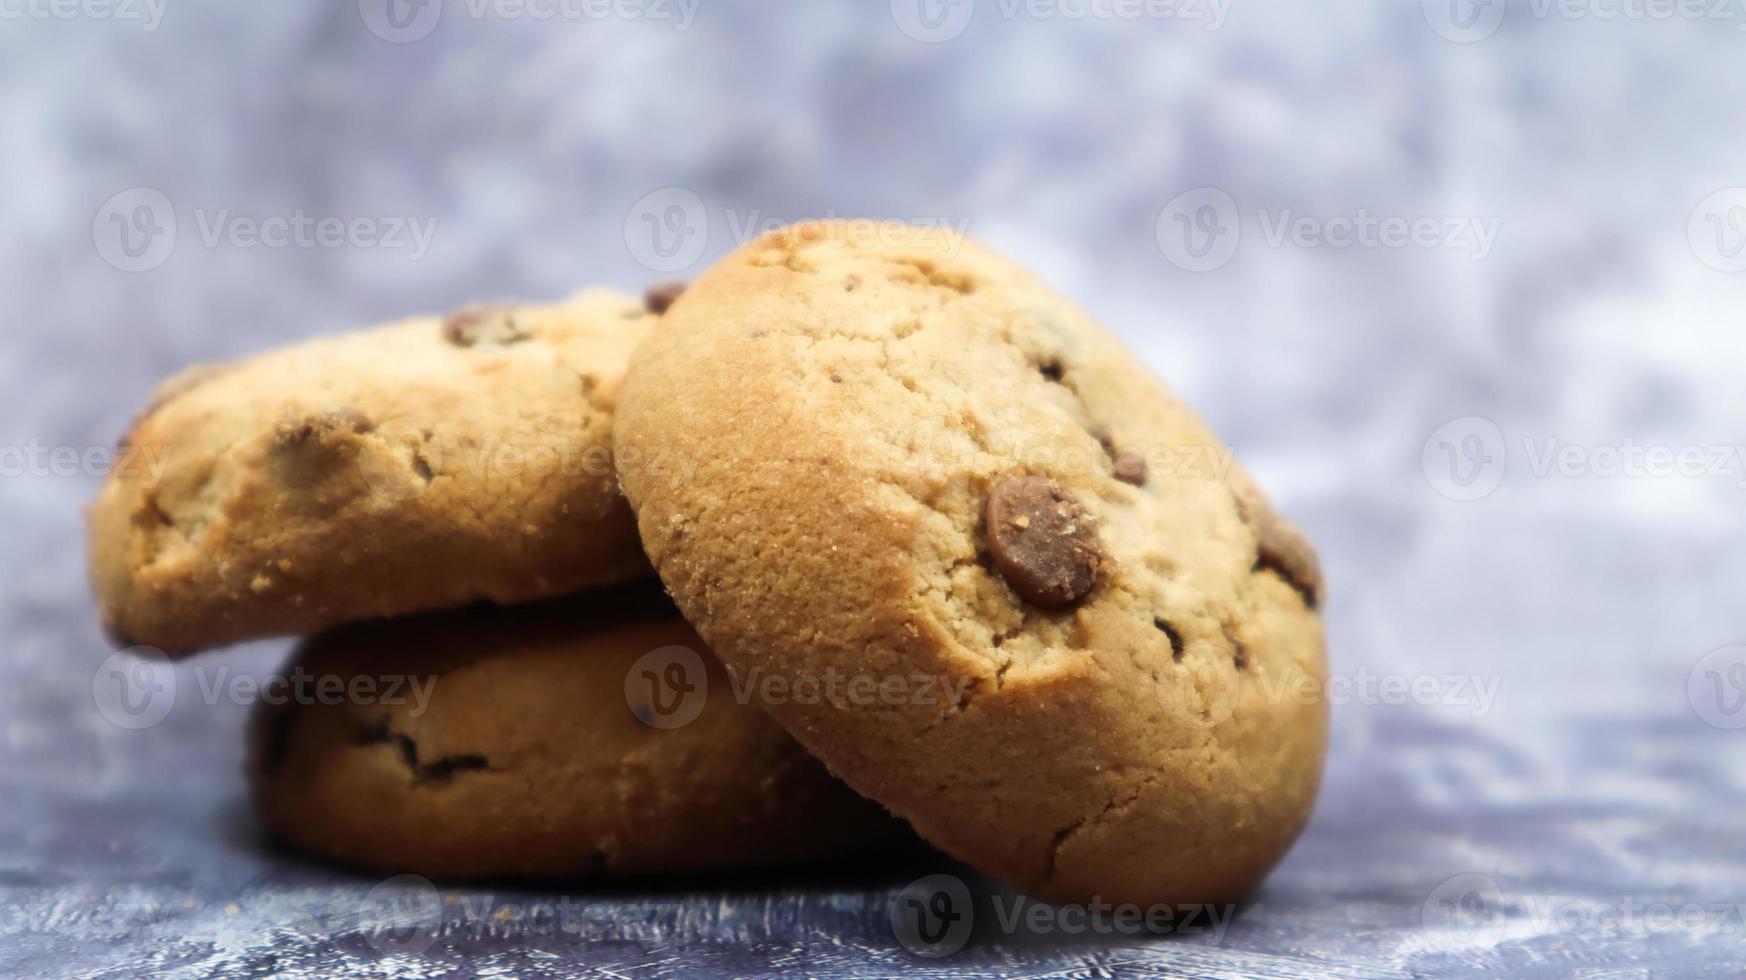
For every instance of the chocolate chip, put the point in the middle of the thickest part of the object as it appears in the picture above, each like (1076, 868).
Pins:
(1280, 547)
(484, 327)
(661, 295)
(1130, 467)
(1176, 647)
(1043, 540)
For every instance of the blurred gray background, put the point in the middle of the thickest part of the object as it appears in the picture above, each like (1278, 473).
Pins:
(1460, 281)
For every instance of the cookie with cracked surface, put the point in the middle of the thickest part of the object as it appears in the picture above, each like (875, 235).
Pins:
(881, 451)
(510, 741)
(413, 467)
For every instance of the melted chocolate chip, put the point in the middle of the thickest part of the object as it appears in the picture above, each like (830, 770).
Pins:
(484, 327)
(1043, 540)
(1130, 467)
(1280, 547)
(661, 295)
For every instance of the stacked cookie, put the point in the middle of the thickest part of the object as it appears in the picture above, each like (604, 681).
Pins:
(936, 523)
(408, 496)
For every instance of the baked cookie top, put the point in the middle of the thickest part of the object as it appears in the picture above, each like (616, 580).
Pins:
(871, 450)
(493, 741)
(411, 467)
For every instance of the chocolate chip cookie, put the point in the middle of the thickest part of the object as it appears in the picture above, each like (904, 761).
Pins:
(1094, 666)
(519, 741)
(413, 467)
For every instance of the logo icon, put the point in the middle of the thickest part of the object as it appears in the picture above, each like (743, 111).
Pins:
(1716, 687)
(1464, 911)
(135, 231)
(1464, 21)
(1199, 230)
(1717, 230)
(135, 689)
(401, 915)
(932, 21)
(1464, 458)
(667, 230)
(401, 21)
(933, 916)
(667, 687)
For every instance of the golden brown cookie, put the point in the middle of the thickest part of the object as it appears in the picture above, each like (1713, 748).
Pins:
(495, 741)
(1094, 664)
(413, 467)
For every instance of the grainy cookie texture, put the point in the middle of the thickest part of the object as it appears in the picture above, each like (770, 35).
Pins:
(874, 450)
(413, 467)
(502, 742)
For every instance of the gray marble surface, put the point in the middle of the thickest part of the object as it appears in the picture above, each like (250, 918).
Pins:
(1459, 281)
